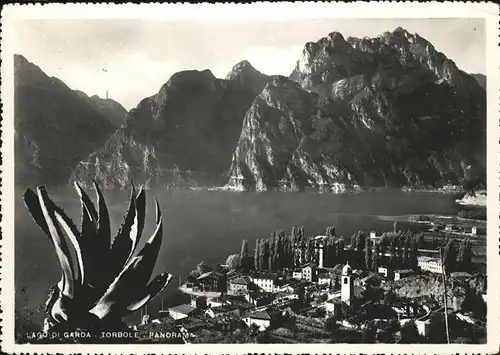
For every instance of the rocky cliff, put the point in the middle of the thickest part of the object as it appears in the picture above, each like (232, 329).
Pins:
(54, 127)
(184, 134)
(387, 111)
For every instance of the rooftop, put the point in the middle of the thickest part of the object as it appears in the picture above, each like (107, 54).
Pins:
(309, 264)
(267, 314)
(241, 280)
(182, 308)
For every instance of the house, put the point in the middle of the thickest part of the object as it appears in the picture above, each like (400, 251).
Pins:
(259, 299)
(262, 319)
(244, 307)
(264, 280)
(219, 301)
(232, 274)
(473, 230)
(297, 274)
(181, 311)
(192, 283)
(284, 298)
(384, 270)
(222, 310)
(239, 285)
(423, 326)
(325, 278)
(282, 285)
(211, 281)
(309, 272)
(427, 263)
(199, 302)
(401, 274)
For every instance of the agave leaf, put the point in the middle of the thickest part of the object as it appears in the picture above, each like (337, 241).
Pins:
(140, 206)
(115, 298)
(126, 239)
(87, 204)
(131, 282)
(62, 249)
(33, 204)
(150, 251)
(103, 224)
(154, 288)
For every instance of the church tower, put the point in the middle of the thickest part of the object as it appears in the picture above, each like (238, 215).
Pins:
(347, 286)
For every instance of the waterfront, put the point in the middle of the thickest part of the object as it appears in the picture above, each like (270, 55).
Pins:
(209, 225)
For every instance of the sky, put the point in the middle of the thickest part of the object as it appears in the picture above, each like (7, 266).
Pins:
(132, 59)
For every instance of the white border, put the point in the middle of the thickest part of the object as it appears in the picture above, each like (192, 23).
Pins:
(270, 11)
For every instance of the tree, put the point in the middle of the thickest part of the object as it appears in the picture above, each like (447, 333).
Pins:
(265, 255)
(412, 259)
(244, 259)
(409, 333)
(330, 231)
(256, 255)
(437, 329)
(368, 255)
(233, 261)
(392, 252)
(331, 325)
(370, 332)
(450, 256)
(420, 240)
(375, 259)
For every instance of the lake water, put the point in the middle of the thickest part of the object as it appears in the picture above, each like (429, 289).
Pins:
(209, 225)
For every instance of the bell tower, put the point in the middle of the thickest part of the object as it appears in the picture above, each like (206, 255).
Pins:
(347, 286)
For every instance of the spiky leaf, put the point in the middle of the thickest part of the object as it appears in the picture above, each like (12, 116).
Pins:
(154, 288)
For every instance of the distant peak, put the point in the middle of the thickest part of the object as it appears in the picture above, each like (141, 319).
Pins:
(336, 37)
(242, 68)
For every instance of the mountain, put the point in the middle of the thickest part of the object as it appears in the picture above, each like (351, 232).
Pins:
(111, 109)
(481, 79)
(183, 134)
(388, 111)
(54, 127)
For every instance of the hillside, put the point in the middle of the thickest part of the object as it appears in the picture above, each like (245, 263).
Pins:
(388, 111)
(54, 127)
(182, 135)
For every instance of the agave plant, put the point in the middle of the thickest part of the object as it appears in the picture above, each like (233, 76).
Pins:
(102, 280)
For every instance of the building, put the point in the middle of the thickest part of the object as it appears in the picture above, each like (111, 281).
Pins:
(262, 319)
(223, 310)
(423, 326)
(319, 244)
(297, 274)
(259, 299)
(309, 272)
(384, 270)
(325, 278)
(239, 285)
(219, 301)
(181, 311)
(211, 281)
(347, 285)
(473, 230)
(199, 302)
(427, 263)
(264, 280)
(401, 274)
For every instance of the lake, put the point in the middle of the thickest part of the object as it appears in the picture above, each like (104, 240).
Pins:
(209, 226)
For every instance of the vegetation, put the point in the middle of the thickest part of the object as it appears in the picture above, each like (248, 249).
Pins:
(479, 213)
(101, 282)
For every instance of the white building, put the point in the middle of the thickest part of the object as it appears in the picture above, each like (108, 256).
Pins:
(427, 263)
(297, 274)
(401, 274)
(473, 231)
(262, 319)
(309, 272)
(347, 285)
(264, 281)
(384, 270)
(181, 311)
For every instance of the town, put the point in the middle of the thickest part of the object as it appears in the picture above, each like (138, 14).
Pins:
(390, 287)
